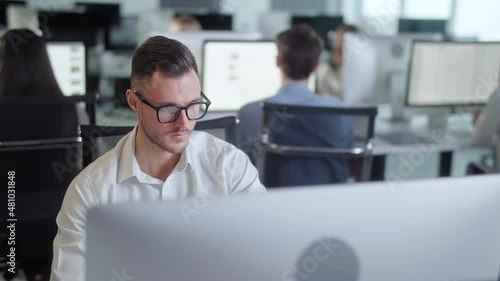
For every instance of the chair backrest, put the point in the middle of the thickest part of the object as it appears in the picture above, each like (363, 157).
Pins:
(97, 140)
(41, 117)
(309, 133)
(39, 173)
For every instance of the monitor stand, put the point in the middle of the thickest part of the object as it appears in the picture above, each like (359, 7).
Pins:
(438, 118)
(397, 93)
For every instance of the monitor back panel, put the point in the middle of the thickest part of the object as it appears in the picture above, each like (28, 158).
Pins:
(443, 229)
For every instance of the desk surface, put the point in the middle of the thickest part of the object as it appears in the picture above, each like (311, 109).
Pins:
(414, 134)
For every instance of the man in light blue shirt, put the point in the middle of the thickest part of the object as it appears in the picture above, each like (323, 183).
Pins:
(299, 49)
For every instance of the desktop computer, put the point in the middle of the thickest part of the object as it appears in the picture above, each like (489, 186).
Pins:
(447, 74)
(370, 63)
(436, 229)
(446, 77)
(239, 72)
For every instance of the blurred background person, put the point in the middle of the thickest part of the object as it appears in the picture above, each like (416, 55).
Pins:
(184, 23)
(330, 74)
(26, 71)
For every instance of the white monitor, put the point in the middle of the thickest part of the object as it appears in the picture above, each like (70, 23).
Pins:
(68, 60)
(453, 73)
(438, 229)
(238, 72)
(370, 62)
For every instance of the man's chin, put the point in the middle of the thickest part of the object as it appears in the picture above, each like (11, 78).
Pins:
(176, 147)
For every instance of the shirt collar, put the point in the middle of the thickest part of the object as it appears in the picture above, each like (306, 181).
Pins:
(292, 88)
(128, 165)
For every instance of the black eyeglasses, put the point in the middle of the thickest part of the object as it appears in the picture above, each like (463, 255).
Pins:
(170, 113)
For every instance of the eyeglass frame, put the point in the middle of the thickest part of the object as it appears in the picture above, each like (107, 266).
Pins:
(179, 108)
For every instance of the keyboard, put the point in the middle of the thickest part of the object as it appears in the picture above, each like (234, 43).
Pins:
(406, 138)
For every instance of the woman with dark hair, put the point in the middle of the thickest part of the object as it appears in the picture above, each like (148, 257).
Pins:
(25, 71)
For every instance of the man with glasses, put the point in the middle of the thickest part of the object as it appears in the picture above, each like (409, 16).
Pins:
(161, 159)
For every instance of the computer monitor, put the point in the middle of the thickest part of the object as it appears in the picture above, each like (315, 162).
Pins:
(322, 25)
(435, 229)
(421, 25)
(238, 72)
(447, 74)
(87, 22)
(68, 60)
(370, 62)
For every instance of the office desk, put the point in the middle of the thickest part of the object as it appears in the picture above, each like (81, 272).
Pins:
(417, 138)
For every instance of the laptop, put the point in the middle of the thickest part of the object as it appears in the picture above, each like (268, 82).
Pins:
(438, 229)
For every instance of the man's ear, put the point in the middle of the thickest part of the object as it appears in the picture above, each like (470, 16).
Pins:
(278, 61)
(132, 100)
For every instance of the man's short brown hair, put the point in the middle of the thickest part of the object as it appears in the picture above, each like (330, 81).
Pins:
(299, 49)
(160, 53)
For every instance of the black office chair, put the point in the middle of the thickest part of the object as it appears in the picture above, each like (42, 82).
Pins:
(278, 149)
(97, 140)
(486, 165)
(41, 171)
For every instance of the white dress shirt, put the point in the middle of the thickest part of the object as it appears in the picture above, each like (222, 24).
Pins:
(488, 125)
(208, 167)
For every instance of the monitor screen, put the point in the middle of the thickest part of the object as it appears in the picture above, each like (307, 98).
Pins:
(413, 25)
(436, 229)
(452, 73)
(374, 60)
(238, 72)
(322, 25)
(68, 61)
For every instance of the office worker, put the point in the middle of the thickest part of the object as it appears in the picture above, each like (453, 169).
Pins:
(330, 74)
(487, 125)
(161, 159)
(299, 49)
(25, 71)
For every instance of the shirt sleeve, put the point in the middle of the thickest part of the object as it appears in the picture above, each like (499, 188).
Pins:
(488, 122)
(240, 174)
(68, 263)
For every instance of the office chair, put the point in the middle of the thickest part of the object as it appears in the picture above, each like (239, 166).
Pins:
(42, 117)
(285, 130)
(486, 165)
(97, 140)
(41, 171)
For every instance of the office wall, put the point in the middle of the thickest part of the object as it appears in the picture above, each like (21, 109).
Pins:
(478, 18)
